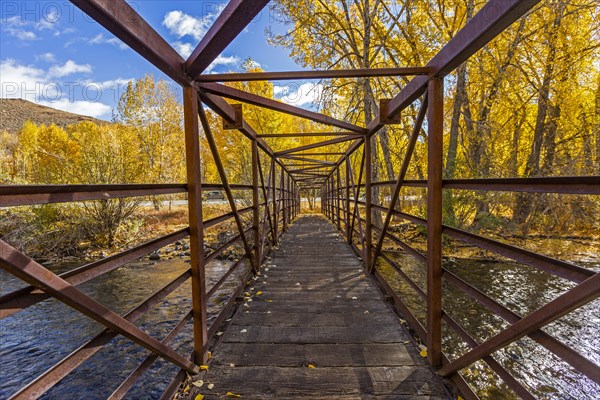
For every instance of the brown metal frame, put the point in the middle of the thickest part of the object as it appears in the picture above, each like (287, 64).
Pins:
(276, 202)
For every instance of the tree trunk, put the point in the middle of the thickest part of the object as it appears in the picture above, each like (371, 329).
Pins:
(524, 205)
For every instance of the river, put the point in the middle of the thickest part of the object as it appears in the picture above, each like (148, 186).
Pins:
(35, 339)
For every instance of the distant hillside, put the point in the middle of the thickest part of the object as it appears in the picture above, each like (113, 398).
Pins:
(14, 112)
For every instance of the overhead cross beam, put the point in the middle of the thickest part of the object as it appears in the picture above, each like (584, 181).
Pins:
(307, 134)
(236, 15)
(311, 160)
(316, 145)
(240, 95)
(322, 74)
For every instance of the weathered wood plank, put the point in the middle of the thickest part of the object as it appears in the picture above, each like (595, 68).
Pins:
(338, 382)
(314, 305)
(320, 355)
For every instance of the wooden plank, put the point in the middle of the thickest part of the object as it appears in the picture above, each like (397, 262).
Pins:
(356, 317)
(323, 355)
(337, 382)
(316, 306)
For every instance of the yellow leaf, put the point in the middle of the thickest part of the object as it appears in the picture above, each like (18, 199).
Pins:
(186, 389)
(204, 368)
(423, 351)
(231, 394)
(258, 293)
(209, 355)
(311, 366)
(270, 301)
(199, 397)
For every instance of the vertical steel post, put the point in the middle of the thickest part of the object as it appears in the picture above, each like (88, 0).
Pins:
(347, 202)
(338, 200)
(283, 202)
(255, 206)
(193, 165)
(331, 203)
(289, 193)
(435, 126)
(368, 201)
(275, 213)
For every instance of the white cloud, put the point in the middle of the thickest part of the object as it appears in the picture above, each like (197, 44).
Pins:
(182, 24)
(68, 68)
(46, 57)
(222, 60)
(90, 108)
(40, 86)
(279, 91)
(101, 39)
(299, 95)
(184, 49)
(18, 28)
(25, 30)
(16, 81)
(112, 84)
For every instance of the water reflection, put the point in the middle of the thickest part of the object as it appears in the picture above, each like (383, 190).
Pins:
(33, 340)
(521, 289)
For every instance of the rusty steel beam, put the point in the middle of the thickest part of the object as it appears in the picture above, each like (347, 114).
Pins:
(508, 379)
(222, 174)
(193, 171)
(255, 206)
(28, 270)
(330, 153)
(311, 160)
(240, 95)
(574, 298)
(308, 134)
(60, 370)
(544, 263)
(236, 15)
(554, 184)
(21, 195)
(564, 352)
(402, 174)
(17, 300)
(316, 145)
(275, 201)
(220, 106)
(125, 23)
(368, 206)
(137, 373)
(266, 191)
(435, 166)
(307, 169)
(322, 74)
(584, 185)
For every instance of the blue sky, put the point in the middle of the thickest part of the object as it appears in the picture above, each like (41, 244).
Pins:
(53, 54)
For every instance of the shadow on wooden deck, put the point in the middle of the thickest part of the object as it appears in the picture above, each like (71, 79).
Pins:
(316, 327)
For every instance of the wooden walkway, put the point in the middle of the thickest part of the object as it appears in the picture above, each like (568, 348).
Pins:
(316, 328)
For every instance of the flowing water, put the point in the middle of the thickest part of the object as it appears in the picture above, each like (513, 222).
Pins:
(35, 339)
(523, 290)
